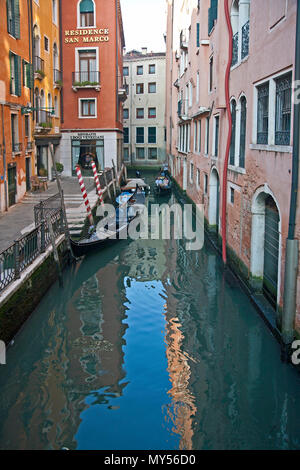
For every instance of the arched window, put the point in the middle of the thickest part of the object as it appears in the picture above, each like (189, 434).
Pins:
(243, 126)
(87, 13)
(36, 105)
(56, 108)
(240, 15)
(54, 11)
(232, 145)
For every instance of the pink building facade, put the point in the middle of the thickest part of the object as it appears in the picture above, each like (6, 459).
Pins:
(260, 157)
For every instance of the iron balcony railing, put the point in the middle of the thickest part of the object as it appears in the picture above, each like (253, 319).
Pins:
(29, 146)
(245, 40)
(26, 249)
(57, 75)
(38, 64)
(16, 147)
(89, 78)
(235, 49)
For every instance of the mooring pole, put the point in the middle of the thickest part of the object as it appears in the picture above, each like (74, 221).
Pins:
(97, 182)
(106, 184)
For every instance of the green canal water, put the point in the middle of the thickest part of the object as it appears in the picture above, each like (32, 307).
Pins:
(148, 346)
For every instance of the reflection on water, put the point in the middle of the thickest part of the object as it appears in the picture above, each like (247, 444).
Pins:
(148, 346)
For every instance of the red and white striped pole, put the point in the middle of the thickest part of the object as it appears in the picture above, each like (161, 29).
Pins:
(97, 182)
(84, 195)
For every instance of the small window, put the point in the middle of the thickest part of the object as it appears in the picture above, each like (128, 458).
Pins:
(198, 178)
(217, 125)
(86, 10)
(125, 113)
(205, 184)
(152, 88)
(283, 110)
(152, 153)
(139, 70)
(27, 125)
(211, 71)
(151, 135)
(125, 71)
(232, 195)
(140, 153)
(126, 135)
(152, 68)
(88, 108)
(139, 135)
(126, 154)
(151, 113)
(46, 44)
(139, 88)
(263, 114)
(192, 172)
(140, 113)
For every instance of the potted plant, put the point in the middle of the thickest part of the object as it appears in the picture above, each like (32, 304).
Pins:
(59, 167)
(43, 172)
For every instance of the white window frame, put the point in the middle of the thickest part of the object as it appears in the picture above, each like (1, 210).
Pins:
(78, 16)
(79, 108)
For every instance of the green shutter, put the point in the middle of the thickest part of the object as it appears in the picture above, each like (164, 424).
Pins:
(9, 16)
(198, 34)
(18, 88)
(17, 18)
(11, 58)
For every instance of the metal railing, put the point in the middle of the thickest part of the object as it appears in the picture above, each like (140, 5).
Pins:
(17, 257)
(85, 78)
(245, 39)
(235, 49)
(38, 64)
(45, 117)
(57, 75)
(16, 147)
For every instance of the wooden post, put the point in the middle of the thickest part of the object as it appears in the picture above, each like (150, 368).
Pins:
(97, 182)
(55, 252)
(66, 227)
(116, 176)
(106, 184)
(113, 182)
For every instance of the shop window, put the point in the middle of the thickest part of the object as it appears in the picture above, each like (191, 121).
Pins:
(84, 151)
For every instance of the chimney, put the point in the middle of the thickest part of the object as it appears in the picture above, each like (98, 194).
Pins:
(144, 50)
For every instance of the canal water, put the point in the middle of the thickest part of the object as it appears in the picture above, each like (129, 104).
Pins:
(148, 346)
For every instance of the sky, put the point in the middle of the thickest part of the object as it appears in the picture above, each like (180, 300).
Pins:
(144, 24)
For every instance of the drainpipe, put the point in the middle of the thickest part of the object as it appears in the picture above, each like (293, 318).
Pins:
(4, 161)
(225, 169)
(292, 244)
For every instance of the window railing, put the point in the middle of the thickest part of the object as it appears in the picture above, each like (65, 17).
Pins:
(235, 49)
(262, 138)
(88, 78)
(16, 147)
(38, 64)
(282, 137)
(57, 75)
(245, 39)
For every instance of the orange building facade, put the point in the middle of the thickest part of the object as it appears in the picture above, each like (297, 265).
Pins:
(92, 42)
(16, 152)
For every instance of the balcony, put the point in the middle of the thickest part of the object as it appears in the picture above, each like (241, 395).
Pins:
(90, 79)
(57, 78)
(38, 67)
(182, 110)
(44, 122)
(16, 147)
(29, 146)
(122, 92)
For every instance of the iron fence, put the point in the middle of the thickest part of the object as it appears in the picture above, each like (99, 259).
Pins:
(17, 257)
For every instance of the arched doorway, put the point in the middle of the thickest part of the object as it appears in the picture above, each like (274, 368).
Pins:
(214, 196)
(266, 244)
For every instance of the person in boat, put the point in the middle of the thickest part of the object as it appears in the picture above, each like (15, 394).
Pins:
(137, 174)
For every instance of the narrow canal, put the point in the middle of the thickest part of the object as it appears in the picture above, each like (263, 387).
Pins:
(148, 346)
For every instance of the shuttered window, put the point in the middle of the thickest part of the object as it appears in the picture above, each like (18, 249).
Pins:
(13, 18)
(198, 35)
(15, 74)
(27, 74)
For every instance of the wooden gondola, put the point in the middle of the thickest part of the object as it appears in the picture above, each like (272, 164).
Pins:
(115, 228)
(163, 183)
